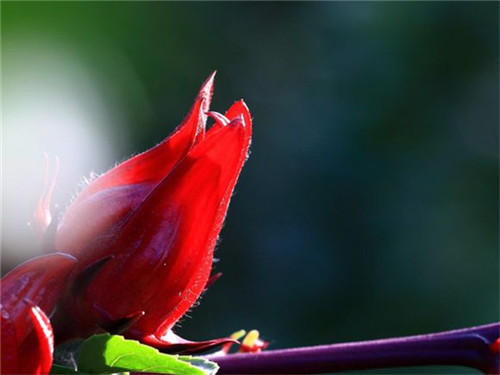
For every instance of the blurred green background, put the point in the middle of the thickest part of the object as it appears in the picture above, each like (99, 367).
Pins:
(369, 205)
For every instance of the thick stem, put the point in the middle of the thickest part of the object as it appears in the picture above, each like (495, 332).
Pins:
(470, 347)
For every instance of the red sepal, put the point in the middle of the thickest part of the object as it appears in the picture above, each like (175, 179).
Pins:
(173, 344)
(163, 255)
(26, 292)
(45, 336)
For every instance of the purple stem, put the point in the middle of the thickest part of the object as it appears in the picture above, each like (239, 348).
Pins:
(465, 347)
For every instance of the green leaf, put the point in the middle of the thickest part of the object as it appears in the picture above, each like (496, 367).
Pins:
(106, 353)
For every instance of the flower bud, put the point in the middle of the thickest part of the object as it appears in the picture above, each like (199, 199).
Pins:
(144, 232)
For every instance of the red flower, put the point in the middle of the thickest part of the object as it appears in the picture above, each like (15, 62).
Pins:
(29, 293)
(144, 232)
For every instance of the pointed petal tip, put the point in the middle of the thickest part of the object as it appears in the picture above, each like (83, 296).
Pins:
(240, 108)
(210, 78)
(242, 103)
(206, 92)
(207, 86)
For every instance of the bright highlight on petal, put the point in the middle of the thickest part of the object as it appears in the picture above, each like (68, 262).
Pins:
(45, 336)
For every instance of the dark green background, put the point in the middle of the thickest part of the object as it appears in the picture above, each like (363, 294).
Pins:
(369, 205)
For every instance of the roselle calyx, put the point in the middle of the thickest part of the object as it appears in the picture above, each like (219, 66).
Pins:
(144, 232)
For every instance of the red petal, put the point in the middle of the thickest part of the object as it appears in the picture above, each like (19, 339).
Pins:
(45, 336)
(163, 256)
(103, 206)
(240, 109)
(27, 340)
(39, 280)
